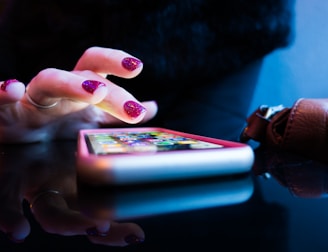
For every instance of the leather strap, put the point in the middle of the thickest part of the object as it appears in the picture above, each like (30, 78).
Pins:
(258, 122)
(301, 129)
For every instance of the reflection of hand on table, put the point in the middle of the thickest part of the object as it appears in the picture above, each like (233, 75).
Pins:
(44, 175)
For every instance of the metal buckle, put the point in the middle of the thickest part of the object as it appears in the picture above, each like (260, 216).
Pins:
(271, 111)
(260, 117)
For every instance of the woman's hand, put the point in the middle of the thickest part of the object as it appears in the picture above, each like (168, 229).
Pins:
(57, 103)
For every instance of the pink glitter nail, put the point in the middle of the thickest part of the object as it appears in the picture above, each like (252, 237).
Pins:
(5, 84)
(133, 109)
(91, 85)
(131, 63)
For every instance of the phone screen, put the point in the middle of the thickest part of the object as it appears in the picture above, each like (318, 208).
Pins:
(122, 142)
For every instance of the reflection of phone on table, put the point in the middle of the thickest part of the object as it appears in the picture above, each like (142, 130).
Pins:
(139, 155)
(140, 202)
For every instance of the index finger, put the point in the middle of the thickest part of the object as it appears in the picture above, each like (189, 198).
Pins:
(109, 61)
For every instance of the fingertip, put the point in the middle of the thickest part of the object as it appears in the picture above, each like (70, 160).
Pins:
(11, 91)
(98, 90)
(133, 66)
(133, 239)
(134, 234)
(134, 110)
(109, 61)
(19, 230)
(19, 236)
(121, 235)
(103, 227)
(152, 109)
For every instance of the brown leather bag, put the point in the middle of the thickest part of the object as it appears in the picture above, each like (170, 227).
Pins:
(301, 129)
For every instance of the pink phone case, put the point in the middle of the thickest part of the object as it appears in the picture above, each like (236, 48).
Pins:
(142, 155)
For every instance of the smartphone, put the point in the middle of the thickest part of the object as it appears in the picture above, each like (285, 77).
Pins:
(121, 156)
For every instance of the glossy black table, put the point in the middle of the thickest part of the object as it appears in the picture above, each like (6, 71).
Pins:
(280, 206)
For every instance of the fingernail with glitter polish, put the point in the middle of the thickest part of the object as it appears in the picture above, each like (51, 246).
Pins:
(134, 109)
(131, 63)
(91, 85)
(132, 239)
(93, 231)
(5, 84)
